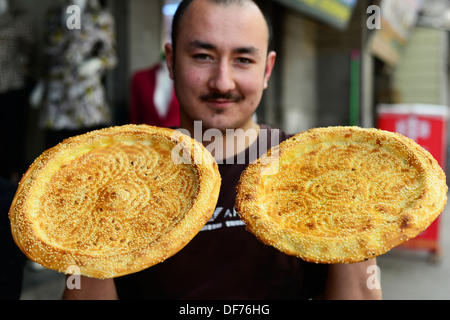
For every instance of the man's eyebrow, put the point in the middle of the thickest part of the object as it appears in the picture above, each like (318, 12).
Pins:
(209, 46)
(202, 45)
(246, 50)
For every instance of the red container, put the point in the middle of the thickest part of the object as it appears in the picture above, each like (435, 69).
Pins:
(426, 125)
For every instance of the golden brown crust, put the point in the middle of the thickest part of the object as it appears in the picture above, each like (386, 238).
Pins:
(341, 194)
(114, 201)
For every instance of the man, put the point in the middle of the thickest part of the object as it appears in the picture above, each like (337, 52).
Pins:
(220, 62)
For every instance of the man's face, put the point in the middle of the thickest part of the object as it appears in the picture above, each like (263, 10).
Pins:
(221, 64)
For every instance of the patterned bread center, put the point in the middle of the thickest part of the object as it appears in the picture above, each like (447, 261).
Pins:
(129, 194)
(334, 190)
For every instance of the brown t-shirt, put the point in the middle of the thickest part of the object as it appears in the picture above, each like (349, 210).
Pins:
(225, 261)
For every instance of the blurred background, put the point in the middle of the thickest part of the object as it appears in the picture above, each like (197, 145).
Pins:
(67, 70)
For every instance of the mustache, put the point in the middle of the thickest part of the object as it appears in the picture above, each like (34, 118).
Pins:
(221, 96)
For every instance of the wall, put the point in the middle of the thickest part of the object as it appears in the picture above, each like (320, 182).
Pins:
(421, 74)
(298, 73)
(334, 51)
(144, 33)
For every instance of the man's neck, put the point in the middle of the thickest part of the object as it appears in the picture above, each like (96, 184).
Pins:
(237, 141)
(227, 143)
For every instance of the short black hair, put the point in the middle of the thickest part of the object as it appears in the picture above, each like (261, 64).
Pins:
(184, 4)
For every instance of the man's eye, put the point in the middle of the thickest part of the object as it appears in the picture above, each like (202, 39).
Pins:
(202, 57)
(243, 61)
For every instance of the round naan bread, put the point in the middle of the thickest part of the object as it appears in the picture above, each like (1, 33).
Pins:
(114, 201)
(341, 194)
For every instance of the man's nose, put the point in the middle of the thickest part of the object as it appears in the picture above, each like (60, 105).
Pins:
(222, 79)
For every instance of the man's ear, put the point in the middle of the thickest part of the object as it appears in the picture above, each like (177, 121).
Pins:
(168, 48)
(271, 57)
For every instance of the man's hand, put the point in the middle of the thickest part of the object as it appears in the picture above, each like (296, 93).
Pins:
(92, 289)
(351, 282)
